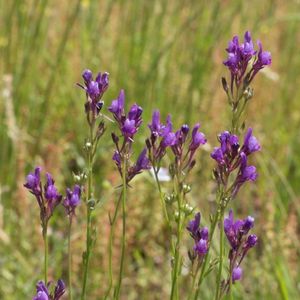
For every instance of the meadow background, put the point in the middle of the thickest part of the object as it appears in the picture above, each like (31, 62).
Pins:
(166, 55)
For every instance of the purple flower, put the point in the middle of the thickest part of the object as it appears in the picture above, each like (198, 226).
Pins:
(237, 274)
(155, 126)
(59, 290)
(47, 197)
(251, 143)
(217, 155)
(51, 194)
(201, 247)
(193, 226)
(230, 156)
(42, 292)
(248, 224)
(263, 58)
(251, 241)
(239, 58)
(87, 76)
(169, 139)
(94, 90)
(33, 181)
(72, 200)
(129, 128)
(142, 162)
(240, 242)
(117, 106)
(135, 114)
(200, 236)
(198, 138)
(128, 125)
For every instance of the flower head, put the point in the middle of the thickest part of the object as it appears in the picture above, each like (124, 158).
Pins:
(242, 57)
(237, 233)
(199, 235)
(94, 89)
(47, 197)
(42, 291)
(72, 200)
(230, 156)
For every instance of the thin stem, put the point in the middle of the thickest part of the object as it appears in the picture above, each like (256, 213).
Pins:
(46, 253)
(89, 211)
(118, 288)
(70, 260)
(230, 287)
(163, 204)
(175, 285)
(110, 250)
(219, 277)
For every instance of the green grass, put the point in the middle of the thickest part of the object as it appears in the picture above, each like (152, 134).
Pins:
(166, 55)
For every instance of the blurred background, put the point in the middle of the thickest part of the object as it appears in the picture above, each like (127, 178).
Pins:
(166, 55)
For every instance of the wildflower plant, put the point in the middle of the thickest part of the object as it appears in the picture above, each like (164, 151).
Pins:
(176, 150)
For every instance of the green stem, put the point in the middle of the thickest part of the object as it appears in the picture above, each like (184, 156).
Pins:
(46, 253)
(219, 277)
(70, 260)
(110, 250)
(162, 201)
(175, 285)
(89, 212)
(118, 288)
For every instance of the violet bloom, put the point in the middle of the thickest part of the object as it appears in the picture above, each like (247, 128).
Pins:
(117, 107)
(243, 56)
(200, 236)
(141, 164)
(94, 90)
(47, 197)
(129, 124)
(237, 233)
(42, 291)
(72, 200)
(161, 137)
(230, 156)
(155, 126)
(237, 274)
(33, 181)
(51, 194)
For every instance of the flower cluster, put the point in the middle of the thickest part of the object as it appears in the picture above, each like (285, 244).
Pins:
(239, 58)
(237, 233)
(128, 126)
(47, 197)
(162, 136)
(43, 293)
(200, 236)
(94, 90)
(72, 200)
(230, 156)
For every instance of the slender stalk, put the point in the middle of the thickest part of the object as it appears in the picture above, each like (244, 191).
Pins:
(118, 288)
(70, 259)
(89, 212)
(175, 285)
(163, 204)
(219, 277)
(111, 239)
(230, 288)
(45, 233)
